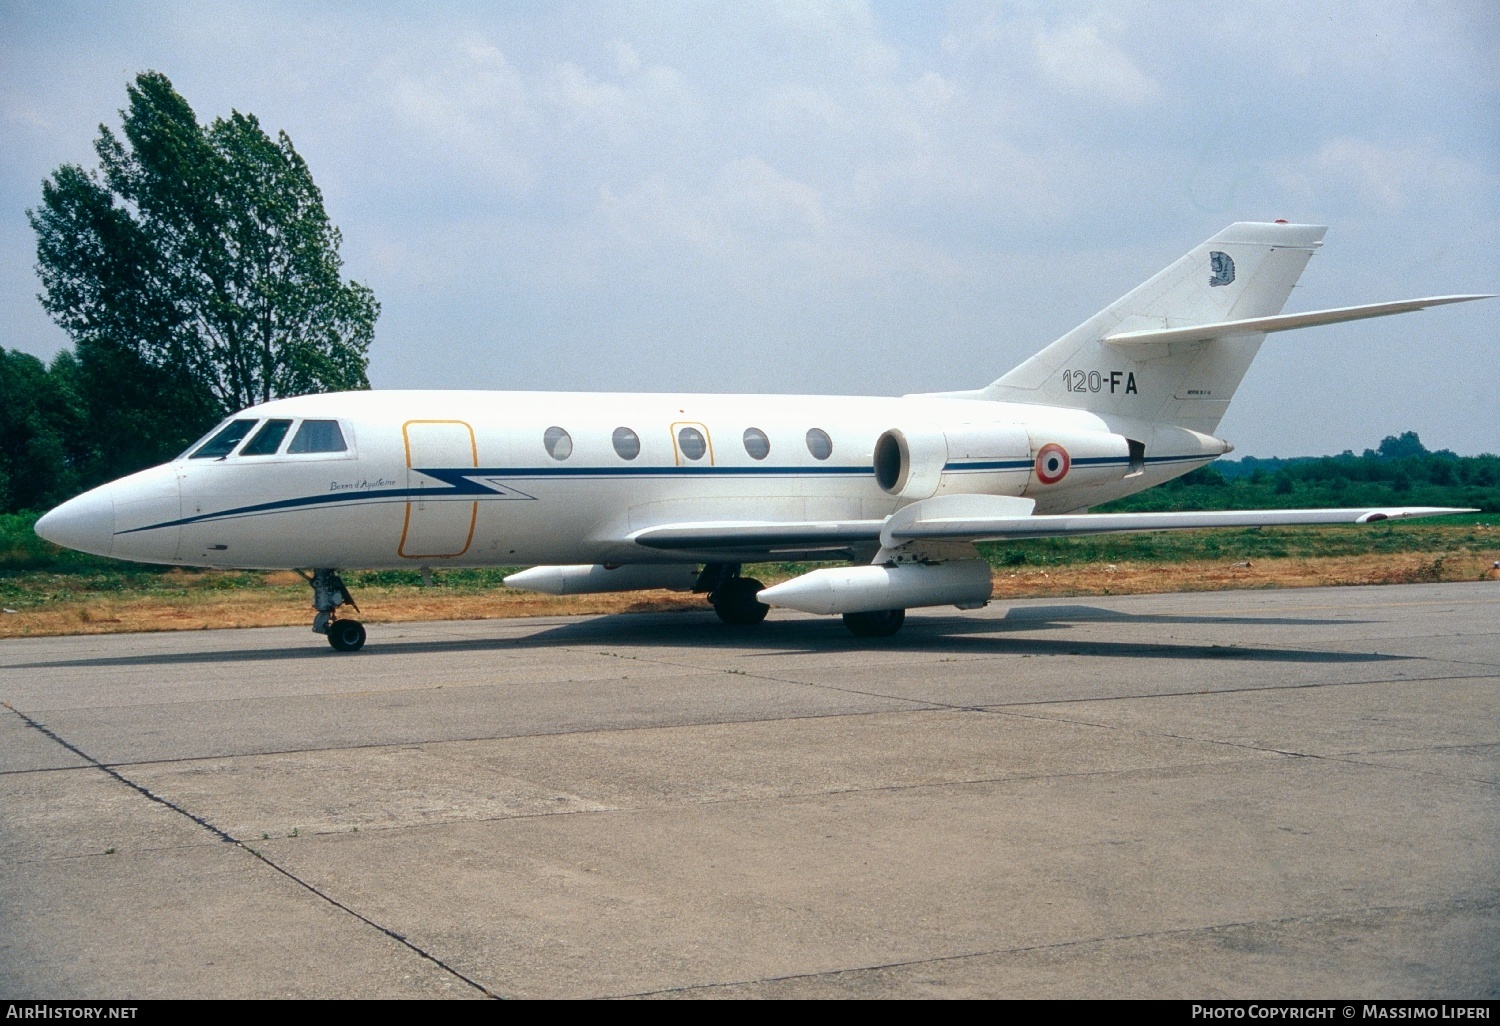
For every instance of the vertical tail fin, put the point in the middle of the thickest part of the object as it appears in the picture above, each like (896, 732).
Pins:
(1247, 270)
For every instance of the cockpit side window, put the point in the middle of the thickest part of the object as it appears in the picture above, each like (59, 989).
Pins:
(268, 439)
(223, 443)
(318, 436)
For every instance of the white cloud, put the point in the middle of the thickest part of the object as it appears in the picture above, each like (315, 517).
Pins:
(1386, 177)
(1076, 59)
(969, 178)
(26, 114)
(469, 106)
(627, 61)
(580, 95)
(758, 198)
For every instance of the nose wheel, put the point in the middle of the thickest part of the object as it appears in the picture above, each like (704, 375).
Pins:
(329, 593)
(346, 635)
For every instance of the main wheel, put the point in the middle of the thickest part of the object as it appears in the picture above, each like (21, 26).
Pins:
(346, 635)
(880, 623)
(736, 604)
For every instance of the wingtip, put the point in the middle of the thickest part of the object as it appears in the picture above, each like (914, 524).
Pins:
(1374, 516)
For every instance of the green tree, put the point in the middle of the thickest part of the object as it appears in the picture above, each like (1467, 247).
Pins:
(1407, 444)
(197, 273)
(41, 420)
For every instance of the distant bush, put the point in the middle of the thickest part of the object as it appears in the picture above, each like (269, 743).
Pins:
(1400, 473)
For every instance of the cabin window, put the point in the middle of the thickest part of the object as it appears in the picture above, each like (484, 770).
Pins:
(318, 436)
(819, 444)
(691, 443)
(558, 442)
(223, 443)
(627, 443)
(268, 439)
(757, 444)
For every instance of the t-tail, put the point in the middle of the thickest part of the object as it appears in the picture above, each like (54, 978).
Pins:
(1174, 350)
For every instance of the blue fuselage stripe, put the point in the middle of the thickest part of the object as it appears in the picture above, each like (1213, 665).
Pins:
(466, 483)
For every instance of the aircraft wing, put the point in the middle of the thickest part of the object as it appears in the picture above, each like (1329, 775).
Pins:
(1005, 528)
(975, 518)
(1281, 322)
(768, 537)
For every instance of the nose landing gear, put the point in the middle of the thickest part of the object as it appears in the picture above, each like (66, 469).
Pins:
(329, 593)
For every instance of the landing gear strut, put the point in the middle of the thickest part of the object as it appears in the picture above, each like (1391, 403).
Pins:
(733, 596)
(329, 593)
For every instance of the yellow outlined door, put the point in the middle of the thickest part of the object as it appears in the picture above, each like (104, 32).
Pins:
(437, 527)
(699, 450)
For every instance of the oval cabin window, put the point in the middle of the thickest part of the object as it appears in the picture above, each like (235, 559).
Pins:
(819, 444)
(691, 444)
(558, 442)
(627, 443)
(757, 444)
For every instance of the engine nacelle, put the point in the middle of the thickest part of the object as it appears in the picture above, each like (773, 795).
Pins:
(964, 583)
(909, 462)
(584, 579)
(1079, 459)
(986, 458)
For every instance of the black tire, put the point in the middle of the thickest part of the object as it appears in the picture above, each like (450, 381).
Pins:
(881, 623)
(736, 604)
(346, 635)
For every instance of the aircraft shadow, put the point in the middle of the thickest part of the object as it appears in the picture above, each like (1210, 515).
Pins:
(956, 635)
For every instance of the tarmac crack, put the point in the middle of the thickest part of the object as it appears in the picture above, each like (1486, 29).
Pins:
(919, 704)
(1488, 903)
(1238, 691)
(1351, 759)
(1347, 758)
(916, 706)
(227, 838)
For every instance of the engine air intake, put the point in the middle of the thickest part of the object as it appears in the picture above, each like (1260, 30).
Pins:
(891, 462)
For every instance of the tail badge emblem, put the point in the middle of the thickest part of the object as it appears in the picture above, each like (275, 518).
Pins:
(1223, 267)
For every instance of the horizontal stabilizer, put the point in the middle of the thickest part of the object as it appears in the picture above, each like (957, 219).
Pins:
(1280, 322)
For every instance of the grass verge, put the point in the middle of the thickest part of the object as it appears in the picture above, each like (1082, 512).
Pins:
(45, 591)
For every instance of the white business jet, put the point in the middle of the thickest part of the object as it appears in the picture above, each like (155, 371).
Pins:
(617, 492)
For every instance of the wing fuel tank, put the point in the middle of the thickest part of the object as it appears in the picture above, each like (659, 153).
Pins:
(584, 579)
(862, 589)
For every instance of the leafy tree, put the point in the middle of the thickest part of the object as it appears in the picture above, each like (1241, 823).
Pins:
(1407, 444)
(41, 421)
(197, 273)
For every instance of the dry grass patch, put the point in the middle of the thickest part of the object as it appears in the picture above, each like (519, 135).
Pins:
(1128, 578)
(200, 600)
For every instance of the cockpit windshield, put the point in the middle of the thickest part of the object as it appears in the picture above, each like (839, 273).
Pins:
(224, 441)
(267, 440)
(318, 436)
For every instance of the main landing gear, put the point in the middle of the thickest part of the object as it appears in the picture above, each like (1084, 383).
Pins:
(329, 593)
(732, 596)
(880, 623)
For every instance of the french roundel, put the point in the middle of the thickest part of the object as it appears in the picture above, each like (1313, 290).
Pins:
(1052, 463)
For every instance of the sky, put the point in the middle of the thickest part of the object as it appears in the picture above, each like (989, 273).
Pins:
(834, 197)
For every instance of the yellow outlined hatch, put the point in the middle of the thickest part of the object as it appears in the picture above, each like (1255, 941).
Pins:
(436, 526)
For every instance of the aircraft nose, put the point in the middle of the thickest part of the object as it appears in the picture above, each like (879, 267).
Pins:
(85, 523)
